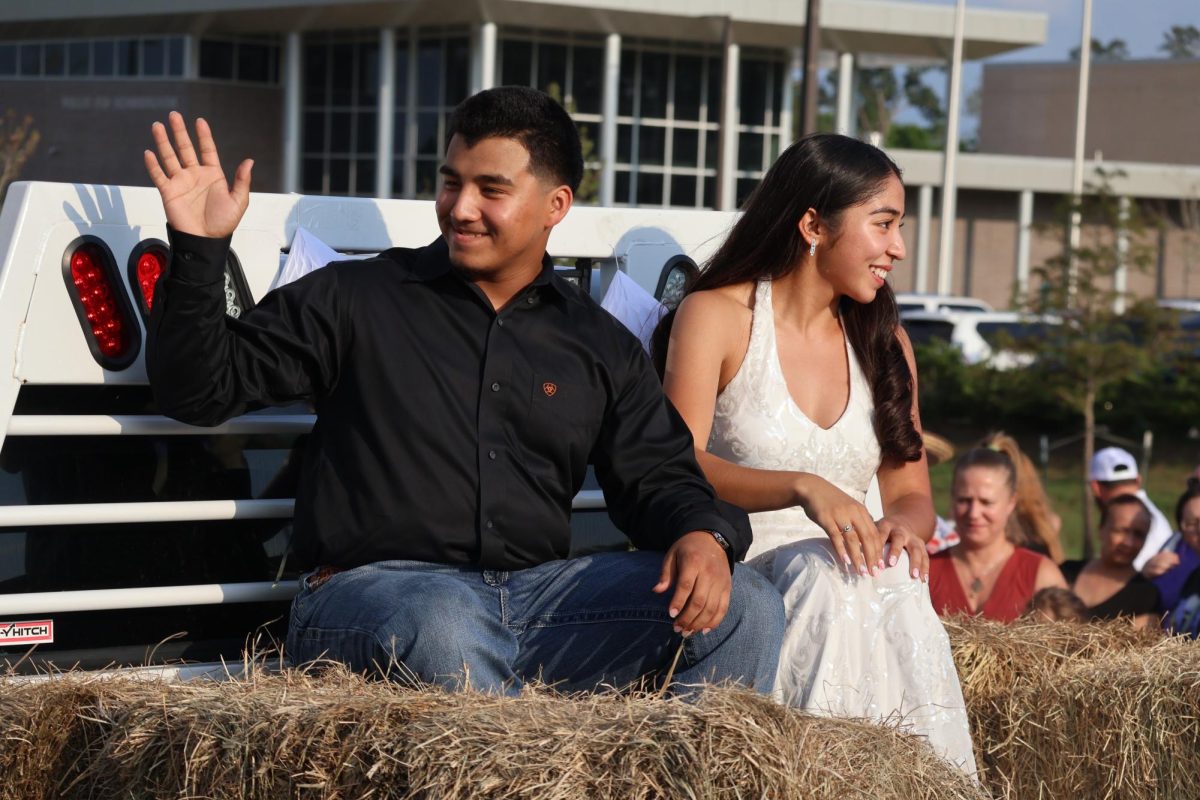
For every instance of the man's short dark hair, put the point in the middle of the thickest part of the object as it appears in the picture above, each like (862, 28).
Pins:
(533, 118)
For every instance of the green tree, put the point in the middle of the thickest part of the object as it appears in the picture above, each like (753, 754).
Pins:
(1098, 344)
(878, 94)
(1181, 41)
(18, 140)
(1105, 52)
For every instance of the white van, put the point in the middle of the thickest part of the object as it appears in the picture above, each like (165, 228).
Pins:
(976, 334)
(919, 301)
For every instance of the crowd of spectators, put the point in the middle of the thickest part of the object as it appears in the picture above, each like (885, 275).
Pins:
(1001, 557)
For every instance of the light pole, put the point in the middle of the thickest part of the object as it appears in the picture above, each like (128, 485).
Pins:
(950, 162)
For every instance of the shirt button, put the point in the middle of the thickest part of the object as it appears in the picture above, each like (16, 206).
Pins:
(500, 322)
(492, 455)
(490, 525)
(495, 387)
(530, 300)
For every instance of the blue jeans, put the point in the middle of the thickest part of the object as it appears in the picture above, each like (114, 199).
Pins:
(577, 624)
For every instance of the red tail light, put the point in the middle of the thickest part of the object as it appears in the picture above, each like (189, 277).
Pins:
(149, 267)
(101, 304)
(146, 263)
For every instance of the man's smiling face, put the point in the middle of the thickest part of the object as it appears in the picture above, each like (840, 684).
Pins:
(494, 212)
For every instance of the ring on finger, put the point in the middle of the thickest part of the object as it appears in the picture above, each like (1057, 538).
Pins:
(847, 528)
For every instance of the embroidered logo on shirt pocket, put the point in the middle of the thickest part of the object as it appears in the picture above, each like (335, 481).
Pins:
(566, 401)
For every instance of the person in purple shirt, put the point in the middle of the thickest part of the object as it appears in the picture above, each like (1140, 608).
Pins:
(1179, 558)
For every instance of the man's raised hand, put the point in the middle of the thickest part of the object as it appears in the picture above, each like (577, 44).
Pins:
(195, 194)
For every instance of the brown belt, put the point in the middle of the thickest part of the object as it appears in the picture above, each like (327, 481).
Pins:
(320, 575)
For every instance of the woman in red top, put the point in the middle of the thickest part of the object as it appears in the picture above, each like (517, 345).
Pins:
(985, 573)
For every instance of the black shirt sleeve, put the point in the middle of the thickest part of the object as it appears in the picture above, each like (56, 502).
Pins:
(646, 464)
(205, 367)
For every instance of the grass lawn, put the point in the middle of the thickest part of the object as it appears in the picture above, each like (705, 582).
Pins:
(1066, 487)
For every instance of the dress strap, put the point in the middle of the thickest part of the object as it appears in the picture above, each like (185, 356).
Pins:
(762, 331)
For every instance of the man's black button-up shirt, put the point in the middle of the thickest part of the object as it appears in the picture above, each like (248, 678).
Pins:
(446, 432)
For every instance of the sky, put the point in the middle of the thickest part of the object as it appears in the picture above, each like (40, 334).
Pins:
(1141, 23)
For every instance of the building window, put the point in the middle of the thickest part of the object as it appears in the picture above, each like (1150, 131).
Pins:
(241, 59)
(667, 123)
(760, 101)
(74, 59)
(569, 67)
(432, 78)
(341, 95)
(439, 62)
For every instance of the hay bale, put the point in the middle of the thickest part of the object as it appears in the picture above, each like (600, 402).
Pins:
(1097, 710)
(334, 735)
(44, 737)
(990, 655)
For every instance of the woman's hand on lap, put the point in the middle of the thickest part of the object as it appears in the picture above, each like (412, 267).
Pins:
(899, 537)
(845, 520)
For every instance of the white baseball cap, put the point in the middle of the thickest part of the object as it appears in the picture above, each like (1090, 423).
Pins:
(1113, 464)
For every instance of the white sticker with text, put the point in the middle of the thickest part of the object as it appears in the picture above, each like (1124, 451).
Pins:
(37, 631)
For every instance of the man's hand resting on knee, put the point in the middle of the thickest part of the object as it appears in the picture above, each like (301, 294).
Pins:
(699, 569)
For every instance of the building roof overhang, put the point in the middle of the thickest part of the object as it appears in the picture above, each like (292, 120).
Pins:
(1006, 173)
(905, 31)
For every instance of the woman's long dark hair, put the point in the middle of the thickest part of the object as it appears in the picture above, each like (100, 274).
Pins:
(827, 173)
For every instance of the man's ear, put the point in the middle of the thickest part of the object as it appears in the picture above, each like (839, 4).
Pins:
(560, 200)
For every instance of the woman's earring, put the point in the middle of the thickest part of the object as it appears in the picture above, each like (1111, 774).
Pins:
(812, 248)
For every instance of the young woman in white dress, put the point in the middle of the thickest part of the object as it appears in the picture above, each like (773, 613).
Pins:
(787, 360)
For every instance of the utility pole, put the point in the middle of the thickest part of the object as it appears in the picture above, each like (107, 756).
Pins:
(812, 54)
(1081, 104)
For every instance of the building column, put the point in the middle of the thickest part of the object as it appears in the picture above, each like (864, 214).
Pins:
(950, 159)
(787, 107)
(608, 119)
(1121, 276)
(410, 117)
(1024, 236)
(483, 57)
(386, 114)
(924, 224)
(727, 182)
(845, 94)
(191, 57)
(293, 49)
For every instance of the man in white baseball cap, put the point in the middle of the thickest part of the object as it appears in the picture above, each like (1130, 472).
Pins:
(1114, 472)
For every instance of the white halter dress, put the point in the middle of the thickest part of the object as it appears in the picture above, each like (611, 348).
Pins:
(854, 646)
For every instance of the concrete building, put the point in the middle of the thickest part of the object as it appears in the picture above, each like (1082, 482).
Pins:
(684, 102)
(1137, 110)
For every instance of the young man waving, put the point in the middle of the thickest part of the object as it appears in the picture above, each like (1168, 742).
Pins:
(461, 391)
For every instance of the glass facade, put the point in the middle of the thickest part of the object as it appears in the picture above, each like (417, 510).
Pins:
(75, 59)
(669, 120)
(569, 67)
(339, 100)
(432, 77)
(667, 125)
(242, 59)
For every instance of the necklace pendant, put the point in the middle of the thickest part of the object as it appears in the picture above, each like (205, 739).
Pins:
(976, 586)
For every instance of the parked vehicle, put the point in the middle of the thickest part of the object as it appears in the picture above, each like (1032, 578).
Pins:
(914, 301)
(981, 336)
(1182, 305)
(127, 538)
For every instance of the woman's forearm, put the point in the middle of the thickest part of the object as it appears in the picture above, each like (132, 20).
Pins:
(752, 489)
(915, 512)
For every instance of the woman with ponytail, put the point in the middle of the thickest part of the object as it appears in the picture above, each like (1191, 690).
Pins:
(787, 360)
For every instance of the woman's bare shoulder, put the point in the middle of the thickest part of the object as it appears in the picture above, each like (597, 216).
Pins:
(729, 302)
